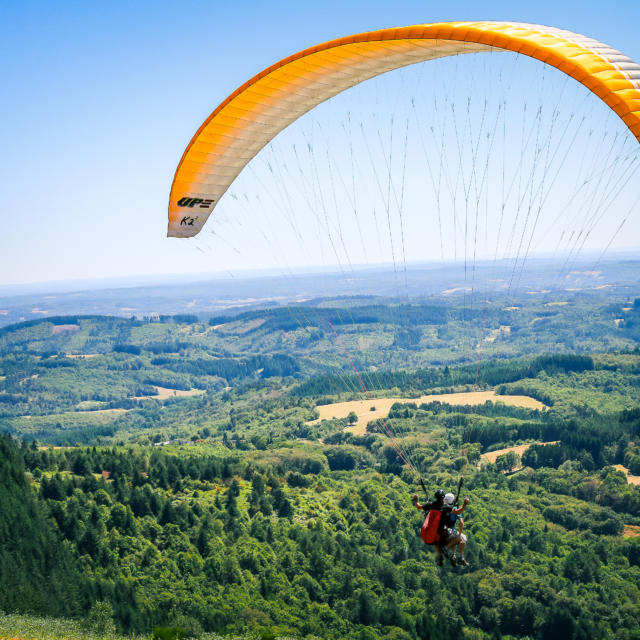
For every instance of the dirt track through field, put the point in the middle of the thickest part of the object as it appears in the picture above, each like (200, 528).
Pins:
(631, 479)
(519, 449)
(382, 406)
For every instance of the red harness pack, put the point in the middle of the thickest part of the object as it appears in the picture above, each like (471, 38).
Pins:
(429, 532)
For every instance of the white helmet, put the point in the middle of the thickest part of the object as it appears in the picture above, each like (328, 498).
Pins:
(449, 498)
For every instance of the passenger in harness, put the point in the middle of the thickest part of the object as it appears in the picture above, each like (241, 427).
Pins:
(455, 537)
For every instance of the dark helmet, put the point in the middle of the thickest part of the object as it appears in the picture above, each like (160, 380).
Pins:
(439, 495)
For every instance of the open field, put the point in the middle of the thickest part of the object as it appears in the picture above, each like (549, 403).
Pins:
(631, 531)
(631, 479)
(496, 333)
(368, 410)
(239, 327)
(81, 355)
(106, 411)
(519, 449)
(65, 328)
(164, 393)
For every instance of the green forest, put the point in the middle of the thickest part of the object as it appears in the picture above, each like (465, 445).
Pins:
(170, 478)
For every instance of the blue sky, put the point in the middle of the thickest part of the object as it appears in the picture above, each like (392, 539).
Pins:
(101, 99)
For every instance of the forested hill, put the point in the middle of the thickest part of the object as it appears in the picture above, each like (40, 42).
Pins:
(281, 545)
(492, 372)
(40, 574)
(193, 486)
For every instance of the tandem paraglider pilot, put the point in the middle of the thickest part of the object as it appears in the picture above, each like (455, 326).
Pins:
(439, 529)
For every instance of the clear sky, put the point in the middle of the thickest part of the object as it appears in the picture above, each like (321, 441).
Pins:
(101, 98)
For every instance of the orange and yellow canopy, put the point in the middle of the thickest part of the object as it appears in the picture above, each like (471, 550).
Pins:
(262, 107)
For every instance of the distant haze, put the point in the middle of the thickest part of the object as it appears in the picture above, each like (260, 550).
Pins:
(207, 295)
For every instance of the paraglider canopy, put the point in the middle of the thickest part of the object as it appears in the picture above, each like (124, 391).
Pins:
(262, 107)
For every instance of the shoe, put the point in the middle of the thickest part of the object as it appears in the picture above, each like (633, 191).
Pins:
(463, 563)
(454, 561)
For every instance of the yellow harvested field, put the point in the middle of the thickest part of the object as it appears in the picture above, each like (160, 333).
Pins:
(631, 479)
(362, 408)
(446, 292)
(81, 355)
(164, 393)
(631, 531)
(555, 304)
(495, 333)
(519, 449)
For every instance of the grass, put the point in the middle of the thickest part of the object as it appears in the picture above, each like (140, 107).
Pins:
(22, 627)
